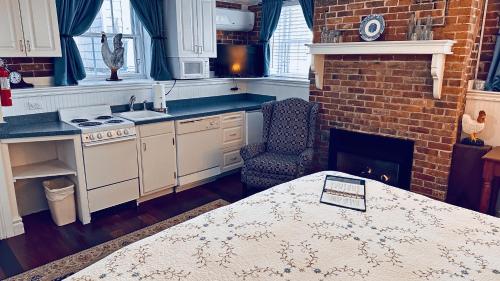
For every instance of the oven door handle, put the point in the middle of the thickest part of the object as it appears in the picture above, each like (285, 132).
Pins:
(109, 141)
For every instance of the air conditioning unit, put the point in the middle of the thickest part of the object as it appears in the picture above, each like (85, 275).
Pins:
(234, 20)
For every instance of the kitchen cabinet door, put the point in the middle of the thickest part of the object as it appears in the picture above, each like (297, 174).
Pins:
(207, 28)
(40, 27)
(158, 163)
(11, 30)
(188, 28)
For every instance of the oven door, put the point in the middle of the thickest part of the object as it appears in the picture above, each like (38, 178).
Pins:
(110, 162)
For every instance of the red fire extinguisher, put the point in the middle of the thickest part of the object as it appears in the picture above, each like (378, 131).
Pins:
(5, 93)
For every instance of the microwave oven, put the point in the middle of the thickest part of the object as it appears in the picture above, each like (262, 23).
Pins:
(189, 68)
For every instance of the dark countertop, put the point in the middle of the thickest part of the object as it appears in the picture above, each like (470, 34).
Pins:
(35, 125)
(48, 124)
(192, 108)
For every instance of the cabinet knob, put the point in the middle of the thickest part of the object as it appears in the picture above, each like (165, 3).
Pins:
(28, 45)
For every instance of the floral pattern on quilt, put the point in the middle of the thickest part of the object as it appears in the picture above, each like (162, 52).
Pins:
(284, 233)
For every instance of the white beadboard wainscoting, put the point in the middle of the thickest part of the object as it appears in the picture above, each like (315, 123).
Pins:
(280, 88)
(490, 103)
(50, 99)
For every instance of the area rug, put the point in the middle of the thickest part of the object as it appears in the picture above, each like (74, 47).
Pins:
(62, 268)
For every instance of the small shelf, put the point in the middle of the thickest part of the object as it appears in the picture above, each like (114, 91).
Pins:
(437, 48)
(43, 169)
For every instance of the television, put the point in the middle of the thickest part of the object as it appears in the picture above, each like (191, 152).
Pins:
(245, 61)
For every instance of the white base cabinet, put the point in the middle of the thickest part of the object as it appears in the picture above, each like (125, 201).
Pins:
(158, 168)
(233, 139)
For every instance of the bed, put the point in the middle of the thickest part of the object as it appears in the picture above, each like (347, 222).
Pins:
(284, 233)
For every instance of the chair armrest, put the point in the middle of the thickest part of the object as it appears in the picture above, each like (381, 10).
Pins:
(305, 161)
(252, 150)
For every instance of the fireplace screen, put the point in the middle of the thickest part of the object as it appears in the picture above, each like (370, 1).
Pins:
(381, 158)
(384, 171)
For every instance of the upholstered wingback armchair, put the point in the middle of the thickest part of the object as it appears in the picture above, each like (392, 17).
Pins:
(286, 150)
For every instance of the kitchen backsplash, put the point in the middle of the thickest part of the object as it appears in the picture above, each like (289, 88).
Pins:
(31, 67)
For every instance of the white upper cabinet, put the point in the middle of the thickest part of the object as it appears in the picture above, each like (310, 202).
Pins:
(207, 28)
(29, 29)
(40, 26)
(190, 26)
(11, 30)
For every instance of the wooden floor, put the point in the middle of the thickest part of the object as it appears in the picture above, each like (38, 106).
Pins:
(44, 242)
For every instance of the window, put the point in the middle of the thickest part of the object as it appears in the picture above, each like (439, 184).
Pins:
(115, 16)
(289, 55)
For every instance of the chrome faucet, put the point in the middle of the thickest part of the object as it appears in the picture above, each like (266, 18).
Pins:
(131, 102)
(145, 104)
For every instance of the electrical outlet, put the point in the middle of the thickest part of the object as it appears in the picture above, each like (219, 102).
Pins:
(34, 105)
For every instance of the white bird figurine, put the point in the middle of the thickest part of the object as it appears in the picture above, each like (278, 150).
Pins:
(113, 59)
(473, 127)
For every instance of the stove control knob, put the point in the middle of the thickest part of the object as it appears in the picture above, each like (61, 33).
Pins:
(119, 133)
(110, 134)
(125, 132)
(99, 136)
(91, 137)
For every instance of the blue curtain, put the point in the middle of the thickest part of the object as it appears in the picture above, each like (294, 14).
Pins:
(74, 18)
(150, 12)
(308, 10)
(493, 80)
(271, 10)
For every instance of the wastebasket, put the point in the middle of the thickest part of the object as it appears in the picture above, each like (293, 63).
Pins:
(60, 193)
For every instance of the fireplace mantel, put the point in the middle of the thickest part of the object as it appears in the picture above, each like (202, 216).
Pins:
(437, 48)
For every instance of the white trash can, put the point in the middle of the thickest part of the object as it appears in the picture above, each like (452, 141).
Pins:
(60, 193)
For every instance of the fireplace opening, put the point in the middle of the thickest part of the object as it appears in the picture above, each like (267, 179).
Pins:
(385, 159)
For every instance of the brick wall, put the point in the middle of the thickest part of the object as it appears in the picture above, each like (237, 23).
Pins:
(392, 95)
(31, 67)
(491, 28)
(238, 37)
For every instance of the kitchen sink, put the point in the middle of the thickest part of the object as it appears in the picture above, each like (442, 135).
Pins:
(142, 115)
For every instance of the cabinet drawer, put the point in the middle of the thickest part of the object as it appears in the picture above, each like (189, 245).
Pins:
(233, 119)
(231, 160)
(156, 129)
(112, 195)
(232, 136)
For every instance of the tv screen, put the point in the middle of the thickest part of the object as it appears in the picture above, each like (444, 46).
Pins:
(239, 61)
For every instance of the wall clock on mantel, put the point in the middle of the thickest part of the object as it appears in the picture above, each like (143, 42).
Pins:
(372, 27)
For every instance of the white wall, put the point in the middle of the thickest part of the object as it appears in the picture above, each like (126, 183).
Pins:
(490, 103)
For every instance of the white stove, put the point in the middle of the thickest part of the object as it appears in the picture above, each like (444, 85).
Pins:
(97, 123)
(109, 145)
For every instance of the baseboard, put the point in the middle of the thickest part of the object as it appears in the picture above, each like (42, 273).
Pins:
(18, 226)
(195, 184)
(155, 195)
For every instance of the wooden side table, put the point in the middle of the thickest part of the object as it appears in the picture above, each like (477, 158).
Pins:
(491, 169)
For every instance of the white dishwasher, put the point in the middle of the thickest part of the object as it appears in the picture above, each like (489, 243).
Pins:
(198, 149)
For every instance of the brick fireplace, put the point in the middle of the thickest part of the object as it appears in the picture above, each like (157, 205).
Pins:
(391, 95)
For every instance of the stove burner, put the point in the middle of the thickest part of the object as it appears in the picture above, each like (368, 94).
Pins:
(79, 120)
(104, 117)
(114, 121)
(89, 124)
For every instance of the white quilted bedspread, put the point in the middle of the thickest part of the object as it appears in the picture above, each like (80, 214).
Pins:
(284, 233)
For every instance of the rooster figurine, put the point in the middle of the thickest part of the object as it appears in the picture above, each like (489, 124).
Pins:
(112, 59)
(473, 127)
